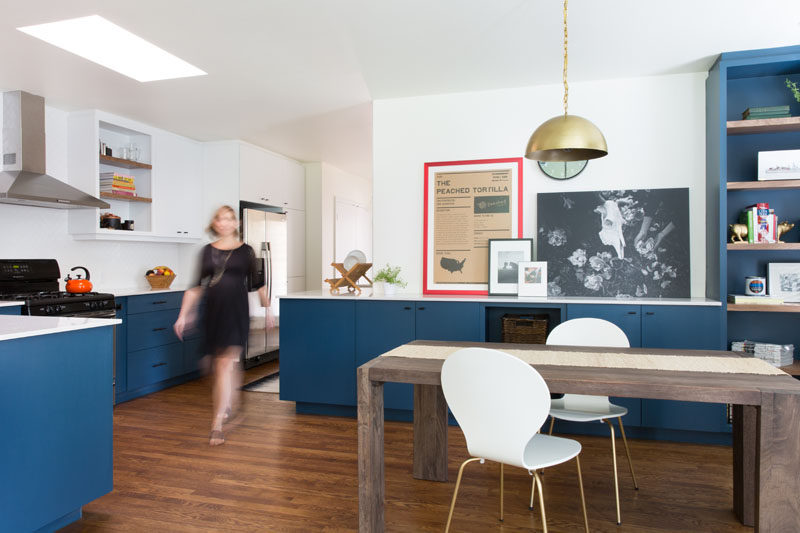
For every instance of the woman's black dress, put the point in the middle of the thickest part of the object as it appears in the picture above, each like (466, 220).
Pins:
(225, 275)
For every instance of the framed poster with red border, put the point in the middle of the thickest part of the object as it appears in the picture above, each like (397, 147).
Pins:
(466, 204)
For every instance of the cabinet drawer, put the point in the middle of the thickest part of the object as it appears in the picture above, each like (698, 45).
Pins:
(147, 330)
(154, 302)
(146, 367)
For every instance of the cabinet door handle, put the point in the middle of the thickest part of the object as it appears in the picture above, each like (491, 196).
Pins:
(649, 313)
(421, 308)
(159, 329)
(159, 302)
(631, 312)
(407, 308)
(159, 364)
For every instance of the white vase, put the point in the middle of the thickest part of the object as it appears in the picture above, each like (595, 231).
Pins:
(377, 288)
(389, 289)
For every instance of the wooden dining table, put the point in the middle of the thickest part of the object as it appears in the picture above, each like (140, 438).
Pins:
(766, 423)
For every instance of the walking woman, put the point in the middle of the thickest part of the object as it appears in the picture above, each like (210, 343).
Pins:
(225, 267)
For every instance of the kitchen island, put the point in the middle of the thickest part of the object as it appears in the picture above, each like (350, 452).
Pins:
(56, 399)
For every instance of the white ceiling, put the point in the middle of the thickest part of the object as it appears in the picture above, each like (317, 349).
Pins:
(298, 76)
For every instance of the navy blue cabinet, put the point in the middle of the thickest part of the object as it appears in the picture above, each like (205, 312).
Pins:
(381, 326)
(317, 339)
(121, 349)
(10, 310)
(682, 327)
(448, 321)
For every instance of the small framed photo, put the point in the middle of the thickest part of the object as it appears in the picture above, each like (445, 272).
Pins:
(783, 281)
(505, 255)
(779, 165)
(532, 280)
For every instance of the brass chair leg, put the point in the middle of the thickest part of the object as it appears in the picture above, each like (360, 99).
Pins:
(538, 481)
(533, 491)
(583, 498)
(501, 492)
(627, 452)
(614, 460)
(455, 493)
(552, 421)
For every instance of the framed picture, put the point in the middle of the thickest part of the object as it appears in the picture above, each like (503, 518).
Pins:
(779, 165)
(783, 281)
(505, 256)
(466, 204)
(532, 278)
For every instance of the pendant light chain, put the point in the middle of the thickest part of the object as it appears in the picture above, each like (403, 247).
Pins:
(566, 87)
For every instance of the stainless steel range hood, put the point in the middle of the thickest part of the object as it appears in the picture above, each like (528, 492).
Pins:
(23, 180)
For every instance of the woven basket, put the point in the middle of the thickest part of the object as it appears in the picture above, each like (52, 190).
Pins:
(160, 282)
(525, 329)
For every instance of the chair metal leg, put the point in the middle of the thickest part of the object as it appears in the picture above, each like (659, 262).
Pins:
(583, 498)
(501, 492)
(455, 493)
(627, 452)
(552, 421)
(533, 491)
(614, 459)
(538, 481)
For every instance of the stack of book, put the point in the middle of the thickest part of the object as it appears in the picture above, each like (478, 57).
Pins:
(758, 300)
(761, 221)
(775, 111)
(114, 183)
(774, 354)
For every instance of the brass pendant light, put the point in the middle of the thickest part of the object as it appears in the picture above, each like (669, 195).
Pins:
(566, 137)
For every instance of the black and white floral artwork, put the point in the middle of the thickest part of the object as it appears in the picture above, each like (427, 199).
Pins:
(624, 244)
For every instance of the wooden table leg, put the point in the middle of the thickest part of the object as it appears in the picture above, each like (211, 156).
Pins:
(430, 433)
(778, 462)
(745, 430)
(371, 477)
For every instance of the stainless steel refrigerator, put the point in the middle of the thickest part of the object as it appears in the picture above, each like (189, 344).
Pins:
(265, 231)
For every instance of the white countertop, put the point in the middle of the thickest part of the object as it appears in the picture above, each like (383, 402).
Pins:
(15, 327)
(137, 291)
(10, 304)
(366, 294)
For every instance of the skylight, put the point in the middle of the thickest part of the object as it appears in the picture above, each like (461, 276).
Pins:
(103, 42)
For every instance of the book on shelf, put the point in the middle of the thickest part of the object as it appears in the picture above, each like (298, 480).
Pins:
(762, 223)
(758, 300)
(767, 109)
(774, 354)
(132, 194)
(767, 115)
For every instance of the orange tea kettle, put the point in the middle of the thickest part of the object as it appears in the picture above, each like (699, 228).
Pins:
(77, 285)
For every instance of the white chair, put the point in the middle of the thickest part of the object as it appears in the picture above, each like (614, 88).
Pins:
(500, 402)
(582, 408)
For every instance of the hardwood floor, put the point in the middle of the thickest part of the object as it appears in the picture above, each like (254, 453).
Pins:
(279, 471)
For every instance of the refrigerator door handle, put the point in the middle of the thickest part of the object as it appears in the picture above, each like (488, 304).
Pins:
(269, 271)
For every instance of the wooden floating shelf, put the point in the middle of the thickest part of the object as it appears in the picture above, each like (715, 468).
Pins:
(764, 246)
(763, 125)
(763, 308)
(126, 198)
(122, 163)
(761, 185)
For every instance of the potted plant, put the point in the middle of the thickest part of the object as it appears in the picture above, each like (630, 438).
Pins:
(390, 277)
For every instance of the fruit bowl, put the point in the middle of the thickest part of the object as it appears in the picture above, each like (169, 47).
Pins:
(160, 277)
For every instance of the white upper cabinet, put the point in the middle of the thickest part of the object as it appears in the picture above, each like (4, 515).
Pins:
(270, 179)
(149, 177)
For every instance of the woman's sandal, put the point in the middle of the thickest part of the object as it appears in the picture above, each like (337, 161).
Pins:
(216, 438)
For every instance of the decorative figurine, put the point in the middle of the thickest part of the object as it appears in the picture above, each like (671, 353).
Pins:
(740, 231)
(783, 227)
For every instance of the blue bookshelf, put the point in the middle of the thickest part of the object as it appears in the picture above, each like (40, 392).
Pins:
(739, 80)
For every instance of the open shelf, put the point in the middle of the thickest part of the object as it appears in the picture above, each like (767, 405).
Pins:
(763, 125)
(764, 246)
(122, 163)
(764, 308)
(125, 198)
(763, 185)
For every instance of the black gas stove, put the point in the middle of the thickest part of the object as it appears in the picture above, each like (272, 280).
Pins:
(35, 282)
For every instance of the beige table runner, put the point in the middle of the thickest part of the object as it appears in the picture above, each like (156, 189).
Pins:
(681, 363)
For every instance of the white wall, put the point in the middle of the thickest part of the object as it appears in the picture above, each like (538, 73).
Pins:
(324, 183)
(36, 232)
(654, 128)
